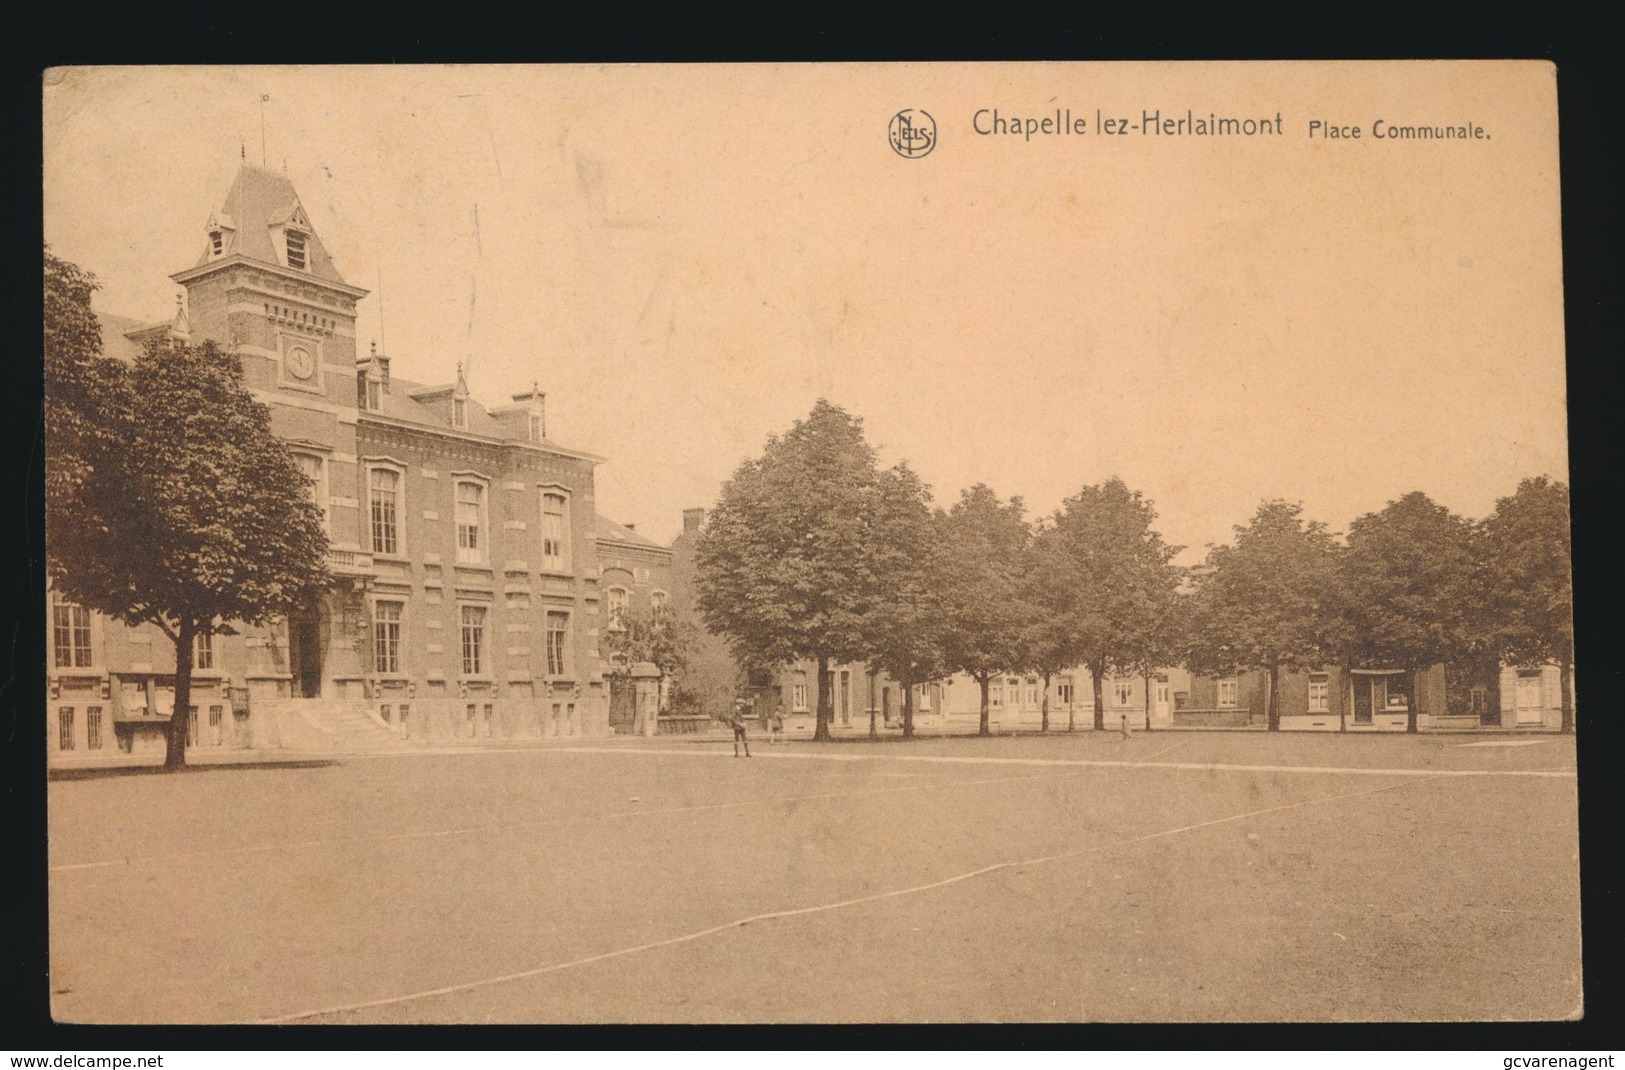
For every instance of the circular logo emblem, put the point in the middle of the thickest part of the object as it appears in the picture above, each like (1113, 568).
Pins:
(913, 133)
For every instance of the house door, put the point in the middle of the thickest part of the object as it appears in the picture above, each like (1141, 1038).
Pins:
(1531, 707)
(1160, 707)
(1370, 695)
(305, 648)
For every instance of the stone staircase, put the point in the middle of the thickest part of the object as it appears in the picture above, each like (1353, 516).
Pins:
(331, 725)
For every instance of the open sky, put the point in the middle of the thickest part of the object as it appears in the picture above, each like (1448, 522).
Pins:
(685, 258)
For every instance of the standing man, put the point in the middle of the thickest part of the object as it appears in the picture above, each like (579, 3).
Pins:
(775, 727)
(738, 723)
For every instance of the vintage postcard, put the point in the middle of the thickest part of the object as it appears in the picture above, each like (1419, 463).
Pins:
(821, 543)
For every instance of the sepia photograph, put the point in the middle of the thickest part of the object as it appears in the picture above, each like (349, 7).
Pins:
(793, 543)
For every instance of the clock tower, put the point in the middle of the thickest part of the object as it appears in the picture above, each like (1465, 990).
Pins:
(266, 291)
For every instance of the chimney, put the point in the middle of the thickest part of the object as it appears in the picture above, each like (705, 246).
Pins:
(692, 519)
(630, 527)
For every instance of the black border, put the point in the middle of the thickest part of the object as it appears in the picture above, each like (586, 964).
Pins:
(1591, 188)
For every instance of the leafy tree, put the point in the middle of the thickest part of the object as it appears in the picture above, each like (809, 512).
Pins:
(1267, 601)
(1530, 588)
(907, 624)
(190, 514)
(1049, 645)
(984, 613)
(1408, 580)
(85, 394)
(656, 636)
(1116, 575)
(791, 563)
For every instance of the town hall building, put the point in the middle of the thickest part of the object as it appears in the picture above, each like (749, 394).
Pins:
(466, 599)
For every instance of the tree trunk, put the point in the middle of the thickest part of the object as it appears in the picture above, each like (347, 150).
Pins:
(908, 711)
(874, 730)
(1043, 723)
(1148, 700)
(982, 679)
(1416, 700)
(1565, 677)
(821, 728)
(1096, 671)
(175, 734)
(1345, 699)
(1072, 709)
(1272, 716)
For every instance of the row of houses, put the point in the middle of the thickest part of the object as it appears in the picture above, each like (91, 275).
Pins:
(1356, 699)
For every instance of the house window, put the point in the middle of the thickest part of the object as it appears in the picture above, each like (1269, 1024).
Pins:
(558, 628)
(798, 694)
(459, 412)
(473, 622)
(657, 599)
(1227, 694)
(1319, 692)
(1032, 696)
(64, 728)
(203, 651)
(535, 428)
(1123, 693)
(1478, 700)
(470, 523)
(216, 725)
(310, 466)
(617, 609)
(925, 696)
(555, 530)
(386, 637)
(93, 728)
(1063, 691)
(217, 242)
(296, 250)
(70, 635)
(385, 490)
(373, 394)
(995, 696)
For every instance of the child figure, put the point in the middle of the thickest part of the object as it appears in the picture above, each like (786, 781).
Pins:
(738, 723)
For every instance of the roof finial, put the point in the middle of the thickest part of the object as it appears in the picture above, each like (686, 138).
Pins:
(242, 149)
(375, 347)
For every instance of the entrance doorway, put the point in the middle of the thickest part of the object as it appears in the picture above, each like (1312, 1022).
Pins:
(307, 643)
(1530, 700)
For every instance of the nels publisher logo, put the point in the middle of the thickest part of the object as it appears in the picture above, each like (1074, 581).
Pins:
(913, 133)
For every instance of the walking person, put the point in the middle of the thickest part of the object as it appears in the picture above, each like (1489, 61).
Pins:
(775, 727)
(737, 721)
(1123, 726)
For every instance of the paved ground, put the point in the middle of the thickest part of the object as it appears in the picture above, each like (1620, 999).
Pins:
(1172, 877)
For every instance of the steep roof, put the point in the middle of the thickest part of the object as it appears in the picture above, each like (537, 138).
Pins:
(604, 528)
(261, 200)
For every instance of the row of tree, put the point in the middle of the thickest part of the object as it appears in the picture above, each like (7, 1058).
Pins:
(816, 553)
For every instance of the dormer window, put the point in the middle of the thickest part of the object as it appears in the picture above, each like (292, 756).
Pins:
(535, 427)
(296, 250)
(217, 242)
(459, 412)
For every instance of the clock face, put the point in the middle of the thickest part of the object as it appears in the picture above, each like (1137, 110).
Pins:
(300, 362)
